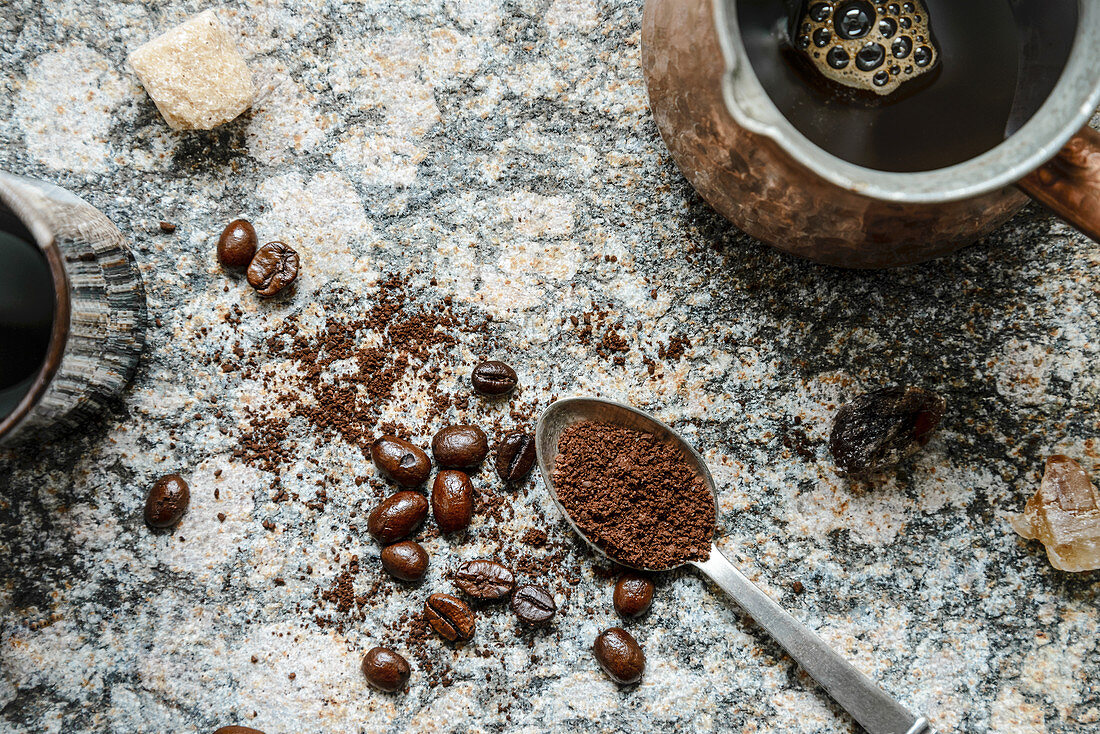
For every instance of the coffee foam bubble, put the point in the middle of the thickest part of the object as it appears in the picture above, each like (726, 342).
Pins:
(869, 46)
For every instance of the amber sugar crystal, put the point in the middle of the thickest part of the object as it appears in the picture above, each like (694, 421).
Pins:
(1065, 516)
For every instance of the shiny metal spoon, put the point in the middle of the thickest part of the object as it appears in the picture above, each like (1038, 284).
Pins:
(868, 704)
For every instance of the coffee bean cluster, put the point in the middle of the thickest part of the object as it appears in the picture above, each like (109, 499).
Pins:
(270, 268)
(456, 450)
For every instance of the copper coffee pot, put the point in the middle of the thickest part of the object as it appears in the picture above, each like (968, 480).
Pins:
(757, 170)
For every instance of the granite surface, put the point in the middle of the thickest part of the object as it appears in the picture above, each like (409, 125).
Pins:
(501, 154)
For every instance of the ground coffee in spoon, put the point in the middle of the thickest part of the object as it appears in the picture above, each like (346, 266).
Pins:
(633, 496)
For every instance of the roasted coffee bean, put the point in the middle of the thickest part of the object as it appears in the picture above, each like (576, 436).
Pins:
(274, 267)
(237, 730)
(460, 447)
(450, 617)
(407, 561)
(533, 605)
(620, 656)
(883, 428)
(167, 501)
(452, 500)
(515, 456)
(237, 244)
(494, 378)
(633, 594)
(485, 579)
(399, 460)
(397, 516)
(385, 669)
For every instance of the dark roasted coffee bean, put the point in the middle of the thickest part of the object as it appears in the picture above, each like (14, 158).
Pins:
(515, 456)
(237, 730)
(397, 516)
(460, 447)
(274, 267)
(167, 501)
(407, 561)
(399, 460)
(485, 579)
(452, 500)
(385, 669)
(883, 428)
(533, 605)
(633, 594)
(237, 244)
(494, 378)
(450, 617)
(620, 656)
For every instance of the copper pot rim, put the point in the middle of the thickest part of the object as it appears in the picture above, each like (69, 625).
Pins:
(1066, 110)
(41, 236)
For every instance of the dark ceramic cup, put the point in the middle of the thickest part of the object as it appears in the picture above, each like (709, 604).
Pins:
(82, 301)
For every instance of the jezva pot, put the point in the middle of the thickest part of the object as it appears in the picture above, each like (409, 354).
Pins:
(756, 169)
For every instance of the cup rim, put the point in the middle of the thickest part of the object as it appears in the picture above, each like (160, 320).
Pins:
(44, 239)
(1066, 110)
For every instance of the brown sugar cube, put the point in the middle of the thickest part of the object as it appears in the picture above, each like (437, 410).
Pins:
(195, 74)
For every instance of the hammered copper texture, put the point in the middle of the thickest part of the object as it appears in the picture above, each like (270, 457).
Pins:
(751, 181)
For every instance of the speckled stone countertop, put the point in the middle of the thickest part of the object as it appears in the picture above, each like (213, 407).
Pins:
(506, 150)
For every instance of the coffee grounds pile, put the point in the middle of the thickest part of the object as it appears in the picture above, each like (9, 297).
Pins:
(633, 496)
(392, 362)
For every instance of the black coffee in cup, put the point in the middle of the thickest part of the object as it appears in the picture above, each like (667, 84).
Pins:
(26, 316)
(907, 86)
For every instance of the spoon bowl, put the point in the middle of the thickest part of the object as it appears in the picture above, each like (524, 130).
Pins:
(873, 708)
(569, 411)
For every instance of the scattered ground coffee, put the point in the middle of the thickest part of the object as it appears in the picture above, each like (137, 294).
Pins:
(633, 496)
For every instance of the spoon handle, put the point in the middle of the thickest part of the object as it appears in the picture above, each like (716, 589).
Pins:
(868, 704)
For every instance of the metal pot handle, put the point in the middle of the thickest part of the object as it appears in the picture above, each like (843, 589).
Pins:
(1069, 184)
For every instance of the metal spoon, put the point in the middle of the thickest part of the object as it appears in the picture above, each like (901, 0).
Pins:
(868, 704)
